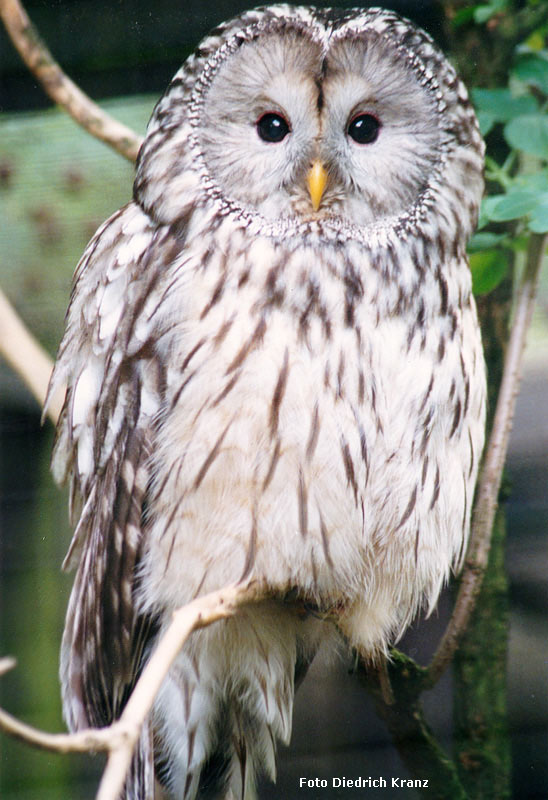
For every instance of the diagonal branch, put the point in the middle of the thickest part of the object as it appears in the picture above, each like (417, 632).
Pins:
(27, 357)
(197, 614)
(60, 88)
(17, 344)
(404, 717)
(491, 474)
(120, 738)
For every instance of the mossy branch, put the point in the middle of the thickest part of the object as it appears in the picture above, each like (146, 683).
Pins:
(404, 718)
(495, 456)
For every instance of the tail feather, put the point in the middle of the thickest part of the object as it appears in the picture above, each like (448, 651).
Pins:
(140, 780)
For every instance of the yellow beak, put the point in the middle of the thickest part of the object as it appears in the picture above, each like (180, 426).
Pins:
(317, 181)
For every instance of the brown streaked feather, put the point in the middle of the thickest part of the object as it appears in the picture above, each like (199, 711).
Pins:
(313, 434)
(278, 395)
(303, 505)
(211, 456)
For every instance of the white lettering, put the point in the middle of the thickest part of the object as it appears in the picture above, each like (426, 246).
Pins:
(361, 783)
(414, 783)
(313, 783)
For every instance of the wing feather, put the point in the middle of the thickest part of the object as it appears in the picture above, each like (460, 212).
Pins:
(110, 363)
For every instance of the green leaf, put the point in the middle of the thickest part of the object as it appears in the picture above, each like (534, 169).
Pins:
(518, 203)
(539, 218)
(462, 16)
(535, 40)
(519, 243)
(484, 241)
(487, 205)
(529, 133)
(533, 70)
(486, 121)
(513, 205)
(488, 269)
(537, 182)
(502, 105)
(483, 13)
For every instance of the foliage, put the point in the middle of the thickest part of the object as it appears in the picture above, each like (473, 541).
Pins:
(514, 121)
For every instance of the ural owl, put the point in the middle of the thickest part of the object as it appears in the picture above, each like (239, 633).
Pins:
(274, 371)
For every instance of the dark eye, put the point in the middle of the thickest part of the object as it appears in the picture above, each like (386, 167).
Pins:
(272, 127)
(364, 128)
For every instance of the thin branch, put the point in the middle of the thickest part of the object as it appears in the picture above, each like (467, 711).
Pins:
(404, 718)
(27, 357)
(491, 474)
(81, 742)
(17, 344)
(198, 614)
(86, 741)
(120, 738)
(6, 664)
(60, 88)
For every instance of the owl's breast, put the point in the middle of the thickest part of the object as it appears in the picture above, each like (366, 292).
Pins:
(301, 444)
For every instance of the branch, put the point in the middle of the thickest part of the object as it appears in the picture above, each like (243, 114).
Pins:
(60, 88)
(81, 742)
(120, 738)
(491, 474)
(27, 357)
(17, 344)
(86, 741)
(404, 718)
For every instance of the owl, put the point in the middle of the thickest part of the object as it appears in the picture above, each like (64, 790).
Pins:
(274, 372)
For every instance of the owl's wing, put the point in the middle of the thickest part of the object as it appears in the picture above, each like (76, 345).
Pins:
(109, 361)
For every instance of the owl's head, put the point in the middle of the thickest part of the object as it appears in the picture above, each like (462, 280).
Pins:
(320, 118)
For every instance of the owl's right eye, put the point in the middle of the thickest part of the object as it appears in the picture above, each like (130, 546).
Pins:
(272, 127)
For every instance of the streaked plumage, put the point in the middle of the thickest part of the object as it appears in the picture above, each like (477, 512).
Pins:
(273, 380)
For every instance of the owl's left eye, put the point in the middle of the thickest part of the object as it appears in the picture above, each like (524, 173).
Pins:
(272, 127)
(364, 128)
